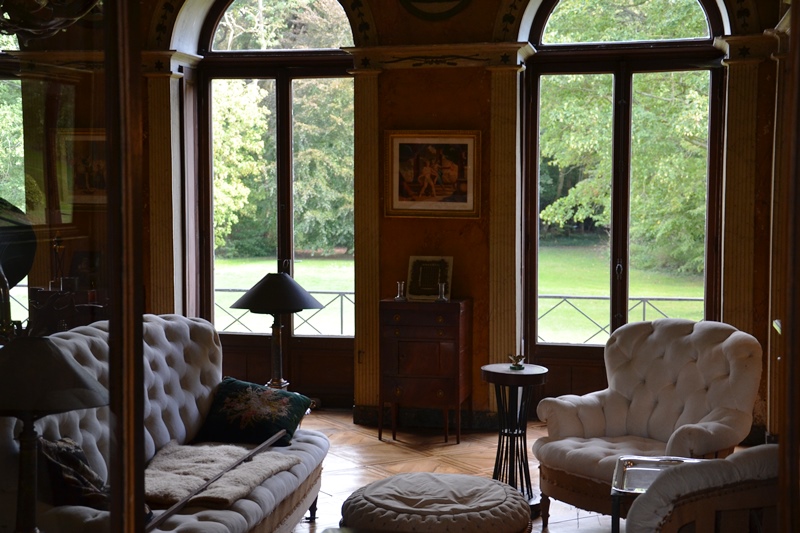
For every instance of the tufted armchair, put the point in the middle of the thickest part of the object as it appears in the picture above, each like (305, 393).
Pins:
(675, 387)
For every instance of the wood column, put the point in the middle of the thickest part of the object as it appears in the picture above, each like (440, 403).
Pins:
(746, 182)
(367, 237)
(779, 241)
(505, 231)
(164, 236)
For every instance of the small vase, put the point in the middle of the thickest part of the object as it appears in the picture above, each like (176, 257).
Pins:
(442, 294)
(401, 291)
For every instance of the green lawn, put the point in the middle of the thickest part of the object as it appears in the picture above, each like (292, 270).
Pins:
(584, 271)
(323, 274)
(573, 271)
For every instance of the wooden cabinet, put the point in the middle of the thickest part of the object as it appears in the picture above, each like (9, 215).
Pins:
(426, 354)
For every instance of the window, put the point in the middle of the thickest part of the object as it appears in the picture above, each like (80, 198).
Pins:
(282, 158)
(625, 190)
(24, 193)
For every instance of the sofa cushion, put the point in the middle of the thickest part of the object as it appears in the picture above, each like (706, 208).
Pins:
(65, 477)
(245, 412)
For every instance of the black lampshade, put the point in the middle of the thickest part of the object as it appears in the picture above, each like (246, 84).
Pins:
(38, 379)
(276, 294)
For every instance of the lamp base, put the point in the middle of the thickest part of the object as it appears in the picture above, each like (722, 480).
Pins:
(26, 487)
(278, 383)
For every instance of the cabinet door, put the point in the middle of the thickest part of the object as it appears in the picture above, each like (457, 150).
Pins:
(426, 358)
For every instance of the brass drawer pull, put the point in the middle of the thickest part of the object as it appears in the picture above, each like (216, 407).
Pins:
(396, 317)
(439, 319)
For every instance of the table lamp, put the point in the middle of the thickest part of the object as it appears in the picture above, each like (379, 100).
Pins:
(37, 379)
(277, 294)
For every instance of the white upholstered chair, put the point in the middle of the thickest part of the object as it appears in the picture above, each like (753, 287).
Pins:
(675, 387)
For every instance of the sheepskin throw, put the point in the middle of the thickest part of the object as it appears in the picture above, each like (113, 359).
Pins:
(176, 470)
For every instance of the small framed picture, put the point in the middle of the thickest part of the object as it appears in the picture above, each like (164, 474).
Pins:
(432, 173)
(424, 275)
(81, 164)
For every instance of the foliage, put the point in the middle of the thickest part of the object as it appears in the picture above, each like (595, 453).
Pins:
(282, 24)
(625, 21)
(245, 135)
(12, 160)
(669, 141)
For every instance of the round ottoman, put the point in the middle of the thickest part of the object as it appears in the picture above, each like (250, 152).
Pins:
(424, 501)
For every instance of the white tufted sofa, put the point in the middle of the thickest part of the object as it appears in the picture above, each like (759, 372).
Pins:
(183, 364)
(738, 493)
(675, 387)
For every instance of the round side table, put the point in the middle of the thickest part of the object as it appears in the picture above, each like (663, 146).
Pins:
(514, 390)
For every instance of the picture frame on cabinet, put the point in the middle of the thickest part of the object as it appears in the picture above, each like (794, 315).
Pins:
(424, 275)
(432, 173)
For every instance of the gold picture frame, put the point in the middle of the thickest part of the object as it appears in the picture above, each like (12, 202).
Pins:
(432, 173)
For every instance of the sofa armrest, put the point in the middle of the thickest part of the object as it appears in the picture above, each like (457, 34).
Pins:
(596, 414)
(722, 429)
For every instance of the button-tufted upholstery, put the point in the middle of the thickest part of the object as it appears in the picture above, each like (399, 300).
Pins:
(711, 495)
(183, 365)
(427, 501)
(675, 387)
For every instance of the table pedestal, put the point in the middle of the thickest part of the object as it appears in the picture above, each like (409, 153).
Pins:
(511, 461)
(514, 392)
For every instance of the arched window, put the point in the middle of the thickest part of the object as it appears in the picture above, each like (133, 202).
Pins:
(280, 108)
(623, 179)
(623, 21)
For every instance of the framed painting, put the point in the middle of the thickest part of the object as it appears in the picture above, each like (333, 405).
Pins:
(81, 165)
(432, 173)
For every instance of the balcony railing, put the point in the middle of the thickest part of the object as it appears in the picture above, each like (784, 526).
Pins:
(570, 319)
(336, 318)
(565, 319)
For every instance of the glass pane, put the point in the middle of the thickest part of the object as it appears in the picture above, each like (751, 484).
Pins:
(291, 24)
(323, 203)
(575, 149)
(624, 21)
(54, 241)
(245, 201)
(28, 198)
(669, 154)
(8, 42)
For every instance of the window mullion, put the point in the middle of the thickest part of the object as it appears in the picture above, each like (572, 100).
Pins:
(620, 196)
(284, 171)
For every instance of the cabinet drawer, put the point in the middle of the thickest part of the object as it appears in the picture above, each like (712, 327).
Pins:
(419, 332)
(431, 314)
(419, 392)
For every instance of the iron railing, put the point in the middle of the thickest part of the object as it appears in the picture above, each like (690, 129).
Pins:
(337, 316)
(594, 327)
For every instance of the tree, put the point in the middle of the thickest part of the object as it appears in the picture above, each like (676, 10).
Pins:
(245, 186)
(669, 136)
(12, 160)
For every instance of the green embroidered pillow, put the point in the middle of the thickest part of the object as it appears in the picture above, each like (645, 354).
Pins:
(244, 412)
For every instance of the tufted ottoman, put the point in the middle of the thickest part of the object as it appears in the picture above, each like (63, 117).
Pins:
(424, 501)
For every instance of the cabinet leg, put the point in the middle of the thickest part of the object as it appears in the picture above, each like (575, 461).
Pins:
(458, 425)
(446, 414)
(380, 420)
(394, 420)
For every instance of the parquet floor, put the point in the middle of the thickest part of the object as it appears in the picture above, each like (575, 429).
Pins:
(357, 457)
